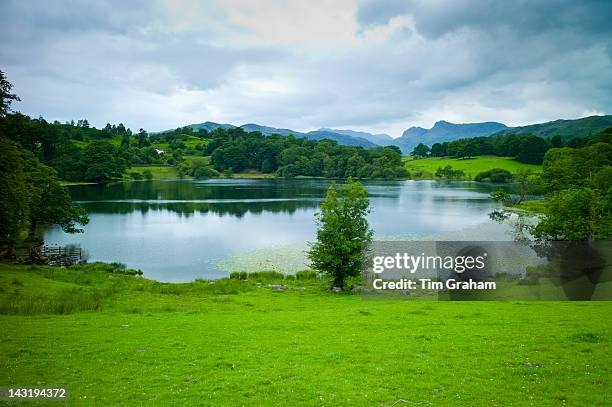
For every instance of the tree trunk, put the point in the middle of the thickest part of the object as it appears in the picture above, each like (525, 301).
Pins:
(10, 253)
(32, 230)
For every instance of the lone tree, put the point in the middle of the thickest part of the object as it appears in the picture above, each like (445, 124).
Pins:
(343, 232)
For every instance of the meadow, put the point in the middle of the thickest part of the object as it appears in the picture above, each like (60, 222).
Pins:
(425, 168)
(114, 338)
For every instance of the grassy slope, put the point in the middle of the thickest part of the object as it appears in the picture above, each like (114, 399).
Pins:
(471, 166)
(234, 343)
(158, 172)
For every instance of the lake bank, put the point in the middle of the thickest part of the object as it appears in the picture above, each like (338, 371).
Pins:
(234, 342)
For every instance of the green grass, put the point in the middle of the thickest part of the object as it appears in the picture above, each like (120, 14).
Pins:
(471, 167)
(533, 206)
(238, 342)
(197, 158)
(158, 172)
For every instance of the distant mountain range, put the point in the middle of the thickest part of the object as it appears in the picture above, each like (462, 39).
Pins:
(441, 131)
(380, 139)
(320, 134)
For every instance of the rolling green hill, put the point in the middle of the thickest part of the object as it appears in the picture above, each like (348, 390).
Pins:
(567, 129)
(471, 167)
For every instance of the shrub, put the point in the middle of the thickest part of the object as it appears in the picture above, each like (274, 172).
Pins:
(497, 175)
(306, 275)
(266, 275)
(135, 175)
(202, 172)
(449, 173)
(148, 175)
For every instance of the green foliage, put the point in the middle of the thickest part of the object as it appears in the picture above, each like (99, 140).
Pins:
(14, 192)
(147, 174)
(264, 276)
(421, 150)
(343, 233)
(31, 196)
(135, 175)
(501, 196)
(531, 150)
(306, 275)
(201, 170)
(290, 156)
(6, 97)
(526, 148)
(497, 175)
(578, 181)
(449, 173)
(101, 161)
(576, 214)
(567, 167)
(438, 149)
(50, 203)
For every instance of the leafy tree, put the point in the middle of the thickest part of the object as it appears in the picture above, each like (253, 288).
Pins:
(101, 161)
(6, 97)
(438, 149)
(182, 169)
(421, 150)
(343, 232)
(14, 194)
(501, 196)
(31, 195)
(49, 201)
(498, 175)
(532, 150)
(143, 138)
(556, 141)
(576, 214)
(525, 183)
(125, 141)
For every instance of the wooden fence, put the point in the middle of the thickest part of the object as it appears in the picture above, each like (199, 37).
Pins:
(62, 256)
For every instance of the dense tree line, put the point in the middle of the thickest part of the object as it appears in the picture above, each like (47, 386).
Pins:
(30, 191)
(526, 148)
(236, 150)
(578, 181)
(79, 152)
(578, 184)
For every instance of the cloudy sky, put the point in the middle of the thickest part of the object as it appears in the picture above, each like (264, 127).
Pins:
(379, 66)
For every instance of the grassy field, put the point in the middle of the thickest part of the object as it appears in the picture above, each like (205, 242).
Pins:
(158, 172)
(123, 340)
(471, 167)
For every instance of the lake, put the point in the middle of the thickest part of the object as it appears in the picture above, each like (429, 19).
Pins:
(179, 230)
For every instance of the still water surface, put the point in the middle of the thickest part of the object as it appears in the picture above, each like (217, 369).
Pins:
(179, 230)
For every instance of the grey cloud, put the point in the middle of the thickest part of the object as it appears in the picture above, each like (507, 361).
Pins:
(129, 62)
(437, 18)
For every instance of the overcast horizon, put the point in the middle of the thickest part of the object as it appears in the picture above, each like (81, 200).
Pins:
(380, 67)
